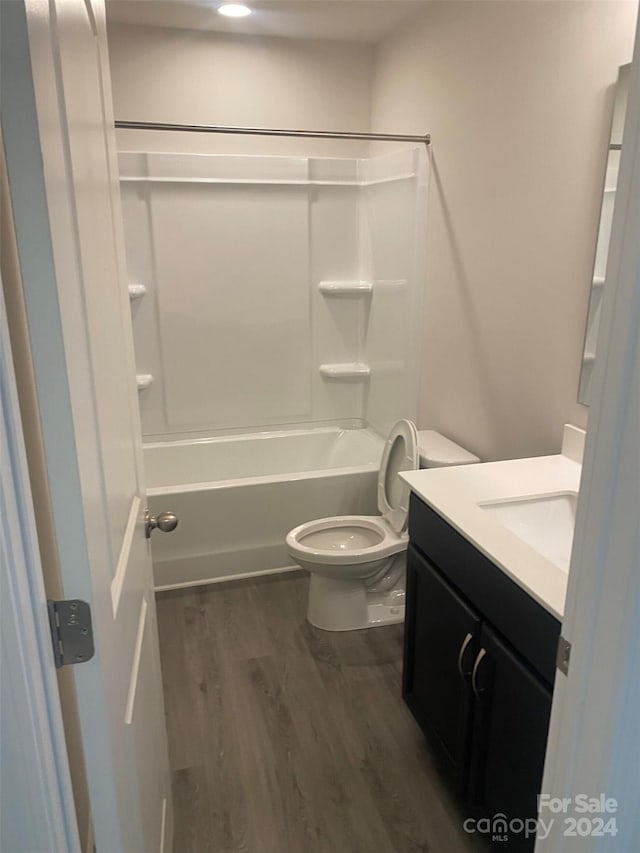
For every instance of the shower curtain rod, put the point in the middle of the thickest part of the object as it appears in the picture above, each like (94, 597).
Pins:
(264, 131)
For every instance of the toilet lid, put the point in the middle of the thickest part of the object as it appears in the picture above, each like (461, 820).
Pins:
(400, 454)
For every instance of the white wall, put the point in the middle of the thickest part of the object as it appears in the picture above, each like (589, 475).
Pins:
(182, 76)
(518, 97)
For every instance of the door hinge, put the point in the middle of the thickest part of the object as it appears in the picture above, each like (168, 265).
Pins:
(563, 655)
(71, 631)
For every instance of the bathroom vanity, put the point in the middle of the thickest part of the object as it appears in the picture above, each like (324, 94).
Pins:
(484, 608)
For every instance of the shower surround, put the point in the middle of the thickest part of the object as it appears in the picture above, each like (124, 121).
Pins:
(270, 295)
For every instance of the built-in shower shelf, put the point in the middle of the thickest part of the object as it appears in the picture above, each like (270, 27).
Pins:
(345, 288)
(598, 281)
(589, 357)
(137, 291)
(351, 370)
(144, 380)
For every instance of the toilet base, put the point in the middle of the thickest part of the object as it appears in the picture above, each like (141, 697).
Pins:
(387, 612)
(341, 605)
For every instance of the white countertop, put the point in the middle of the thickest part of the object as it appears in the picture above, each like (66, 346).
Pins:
(455, 494)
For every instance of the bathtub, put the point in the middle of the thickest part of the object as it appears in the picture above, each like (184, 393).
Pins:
(237, 497)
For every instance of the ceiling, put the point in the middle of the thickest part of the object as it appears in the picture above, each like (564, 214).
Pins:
(345, 20)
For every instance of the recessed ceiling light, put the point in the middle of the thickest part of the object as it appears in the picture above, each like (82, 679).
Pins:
(234, 10)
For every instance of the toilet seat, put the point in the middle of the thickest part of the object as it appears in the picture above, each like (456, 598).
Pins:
(348, 539)
(400, 454)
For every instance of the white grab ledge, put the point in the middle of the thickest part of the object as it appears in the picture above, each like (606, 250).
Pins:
(143, 380)
(347, 370)
(137, 291)
(345, 288)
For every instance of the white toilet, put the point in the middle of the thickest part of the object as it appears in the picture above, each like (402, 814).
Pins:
(357, 562)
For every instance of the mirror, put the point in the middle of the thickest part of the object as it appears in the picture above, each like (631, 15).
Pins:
(604, 235)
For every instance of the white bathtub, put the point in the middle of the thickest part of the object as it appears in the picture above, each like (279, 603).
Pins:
(237, 498)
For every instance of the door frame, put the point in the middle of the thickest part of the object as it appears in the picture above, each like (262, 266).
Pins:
(28, 669)
(592, 747)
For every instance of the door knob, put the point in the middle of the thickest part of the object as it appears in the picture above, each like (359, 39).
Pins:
(165, 521)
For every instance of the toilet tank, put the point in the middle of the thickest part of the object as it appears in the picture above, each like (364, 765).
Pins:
(437, 451)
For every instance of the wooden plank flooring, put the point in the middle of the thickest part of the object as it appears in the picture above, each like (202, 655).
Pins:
(287, 739)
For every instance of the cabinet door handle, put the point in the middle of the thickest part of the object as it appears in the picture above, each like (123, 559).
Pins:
(474, 673)
(463, 649)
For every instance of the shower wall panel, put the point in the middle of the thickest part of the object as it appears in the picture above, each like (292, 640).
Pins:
(337, 331)
(232, 326)
(233, 303)
(248, 266)
(394, 194)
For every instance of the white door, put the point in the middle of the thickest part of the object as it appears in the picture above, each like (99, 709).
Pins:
(60, 145)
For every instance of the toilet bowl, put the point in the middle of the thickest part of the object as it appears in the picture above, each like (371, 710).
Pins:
(357, 562)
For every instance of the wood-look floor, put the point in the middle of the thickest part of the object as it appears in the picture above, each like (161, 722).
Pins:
(287, 739)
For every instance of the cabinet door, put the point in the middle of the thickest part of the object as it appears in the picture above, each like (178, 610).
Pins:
(441, 641)
(511, 723)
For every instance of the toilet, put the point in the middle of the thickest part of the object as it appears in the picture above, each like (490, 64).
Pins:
(357, 562)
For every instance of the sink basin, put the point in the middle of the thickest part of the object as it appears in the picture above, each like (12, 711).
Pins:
(545, 523)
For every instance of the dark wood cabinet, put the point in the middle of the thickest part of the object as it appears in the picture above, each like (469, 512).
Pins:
(511, 724)
(439, 651)
(478, 672)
